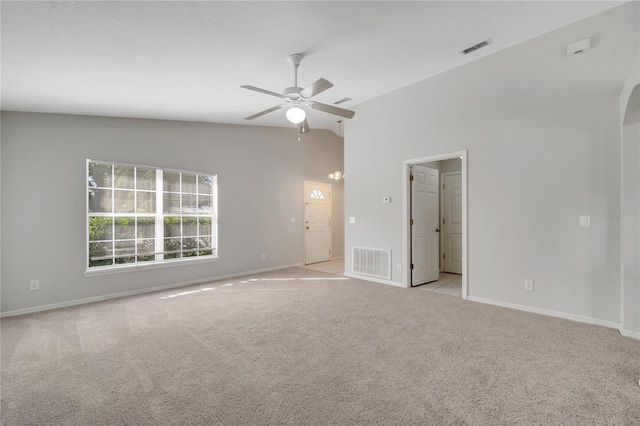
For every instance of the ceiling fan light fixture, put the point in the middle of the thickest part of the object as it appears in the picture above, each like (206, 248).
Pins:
(296, 115)
(294, 98)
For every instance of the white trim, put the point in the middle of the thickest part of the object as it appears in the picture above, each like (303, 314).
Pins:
(132, 267)
(140, 291)
(627, 333)
(547, 312)
(407, 214)
(375, 280)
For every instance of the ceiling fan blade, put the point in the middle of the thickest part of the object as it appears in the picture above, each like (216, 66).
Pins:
(318, 87)
(261, 113)
(304, 127)
(332, 109)
(268, 92)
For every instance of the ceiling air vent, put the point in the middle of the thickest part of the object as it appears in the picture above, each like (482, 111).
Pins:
(476, 46)
(341, 101)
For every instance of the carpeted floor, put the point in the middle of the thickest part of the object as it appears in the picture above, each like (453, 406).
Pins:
(303, 347)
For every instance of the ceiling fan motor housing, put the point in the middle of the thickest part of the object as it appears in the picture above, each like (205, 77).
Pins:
(294, 90)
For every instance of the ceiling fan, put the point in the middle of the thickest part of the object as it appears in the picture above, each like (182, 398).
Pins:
(296, 98)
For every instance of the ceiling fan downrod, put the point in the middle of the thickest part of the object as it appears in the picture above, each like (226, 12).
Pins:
(295, 60)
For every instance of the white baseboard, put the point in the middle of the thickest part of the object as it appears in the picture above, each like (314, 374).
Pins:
(337, 258)
(563, 315)
(629, 333)
(134, 292)
(374, 279)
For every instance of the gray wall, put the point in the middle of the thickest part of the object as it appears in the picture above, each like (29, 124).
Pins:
(630, 203)
(445, 166)
(451, 165)
(260, 174)
(628, 216)
(542, 135)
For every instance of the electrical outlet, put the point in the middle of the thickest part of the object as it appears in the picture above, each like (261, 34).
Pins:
(264, 256)
(34, 285)
(399, 266)
(528, 285)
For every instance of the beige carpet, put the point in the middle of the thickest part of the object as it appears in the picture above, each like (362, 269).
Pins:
(276, 349)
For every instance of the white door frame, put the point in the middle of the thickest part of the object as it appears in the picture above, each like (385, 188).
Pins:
(406, 219)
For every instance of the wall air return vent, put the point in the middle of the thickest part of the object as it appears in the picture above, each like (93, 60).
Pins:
(372, 262)
(476, 47)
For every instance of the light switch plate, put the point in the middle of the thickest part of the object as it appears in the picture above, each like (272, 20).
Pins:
(585, 221)
(352, 219)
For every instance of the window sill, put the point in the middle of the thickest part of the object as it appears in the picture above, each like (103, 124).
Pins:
(95, 272)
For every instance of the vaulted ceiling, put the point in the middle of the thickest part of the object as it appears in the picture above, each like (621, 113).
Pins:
(184, 60)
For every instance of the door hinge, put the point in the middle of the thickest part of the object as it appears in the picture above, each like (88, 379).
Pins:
(443, 186)
(412, 266)
(443, 221)
(410, 177)
(443, 255)
(412, 221)
(329, 223)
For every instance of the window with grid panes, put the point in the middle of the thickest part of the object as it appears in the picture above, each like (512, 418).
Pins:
(141, 214)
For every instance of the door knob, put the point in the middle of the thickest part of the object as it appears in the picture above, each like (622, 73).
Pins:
(307, 227)
(437, 230)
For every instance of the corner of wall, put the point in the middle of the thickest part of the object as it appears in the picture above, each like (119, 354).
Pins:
(629, 308)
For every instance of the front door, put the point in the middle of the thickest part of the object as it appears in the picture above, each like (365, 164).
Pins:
(425, 244)
(317, 222)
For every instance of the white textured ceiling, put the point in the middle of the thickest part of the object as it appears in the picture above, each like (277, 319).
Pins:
(187, 60)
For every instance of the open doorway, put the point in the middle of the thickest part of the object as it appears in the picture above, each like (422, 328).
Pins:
(435, 232)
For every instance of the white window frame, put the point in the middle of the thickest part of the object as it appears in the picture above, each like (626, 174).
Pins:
(159, 216)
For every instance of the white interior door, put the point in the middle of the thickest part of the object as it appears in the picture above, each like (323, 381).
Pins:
(425, 244)
(452, 223)
(317, 218)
